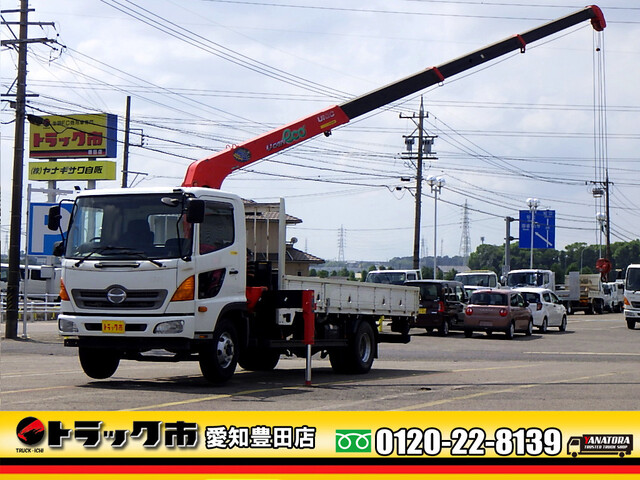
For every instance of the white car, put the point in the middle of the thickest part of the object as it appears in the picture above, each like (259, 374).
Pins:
(546, 308)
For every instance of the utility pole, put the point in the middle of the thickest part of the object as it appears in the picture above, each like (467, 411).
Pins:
(507, 246)
(422, 142)
(125, 155)
(13, 278)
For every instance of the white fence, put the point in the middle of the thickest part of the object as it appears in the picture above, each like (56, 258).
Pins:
(32, 310)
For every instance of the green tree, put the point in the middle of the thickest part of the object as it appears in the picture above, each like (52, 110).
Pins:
(427, 272)
(488, 257)
(450, 274)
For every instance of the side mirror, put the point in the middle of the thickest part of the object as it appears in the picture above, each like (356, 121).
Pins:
(58, 249)
(53, 223)
(195, 210)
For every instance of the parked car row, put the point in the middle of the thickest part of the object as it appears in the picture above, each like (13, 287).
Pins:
(445, 305)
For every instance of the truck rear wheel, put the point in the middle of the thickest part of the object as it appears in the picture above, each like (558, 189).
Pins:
(219, 359)
(99, 363)
(259, 359)
(358, 356)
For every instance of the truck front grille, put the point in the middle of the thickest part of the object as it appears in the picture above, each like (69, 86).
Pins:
(133, 300)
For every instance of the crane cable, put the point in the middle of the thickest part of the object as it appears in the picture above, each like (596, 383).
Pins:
(601, 160)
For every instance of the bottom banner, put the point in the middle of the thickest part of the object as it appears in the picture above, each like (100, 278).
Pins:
(293, 444)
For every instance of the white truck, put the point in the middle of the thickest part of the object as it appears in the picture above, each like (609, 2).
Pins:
(179, 274)
(168, 269)
(393, 277)
(617, 295)
(582, 292)
(475, 279)
(632, 295)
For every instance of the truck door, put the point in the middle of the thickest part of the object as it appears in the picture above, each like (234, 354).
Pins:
(220, 261)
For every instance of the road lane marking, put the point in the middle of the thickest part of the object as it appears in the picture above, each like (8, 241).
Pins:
(295, 387)
(48, 374)
(605, 354)
(494, 392)
(404, 395)
(527, 365)
(24, 390)
(232, 395)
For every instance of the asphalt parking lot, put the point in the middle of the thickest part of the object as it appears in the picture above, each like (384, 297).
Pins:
(591, 366)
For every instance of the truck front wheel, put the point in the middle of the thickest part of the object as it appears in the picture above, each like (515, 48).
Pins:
(98, 363)
(631, 324)
(219, 358)
(358, 356)
(598, 307)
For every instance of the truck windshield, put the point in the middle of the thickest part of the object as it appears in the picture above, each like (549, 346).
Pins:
(128, 227)
(392, 278)
(632, 281)
(521, 279)
(477, 280)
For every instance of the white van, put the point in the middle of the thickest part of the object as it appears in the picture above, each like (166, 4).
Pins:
(43, 282)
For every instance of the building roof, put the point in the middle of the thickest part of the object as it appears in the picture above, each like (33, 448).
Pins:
(293, 255)
(262, 212)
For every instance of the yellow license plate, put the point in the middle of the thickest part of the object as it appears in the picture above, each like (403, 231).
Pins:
(112, 326)
(422, 311)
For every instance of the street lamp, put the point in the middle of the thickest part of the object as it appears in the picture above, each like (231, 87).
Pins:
(533, 204)
(601, 218)
(436, 184)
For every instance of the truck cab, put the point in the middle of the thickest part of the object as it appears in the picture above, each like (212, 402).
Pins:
(475, 279)
(531, 278)
(632, 296)
(393, 277)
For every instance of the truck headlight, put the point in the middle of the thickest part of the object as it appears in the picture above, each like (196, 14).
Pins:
(174, 326)
(67, 326)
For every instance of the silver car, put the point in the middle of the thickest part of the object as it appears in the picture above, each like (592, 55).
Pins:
(546, 308)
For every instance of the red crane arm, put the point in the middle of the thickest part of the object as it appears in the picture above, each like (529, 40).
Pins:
(211, 171)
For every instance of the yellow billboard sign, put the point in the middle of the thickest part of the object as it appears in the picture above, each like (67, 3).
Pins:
(74, 136)
(80, 170)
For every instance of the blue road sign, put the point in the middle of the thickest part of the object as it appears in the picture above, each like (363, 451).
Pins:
(544, 230)
(41, 239)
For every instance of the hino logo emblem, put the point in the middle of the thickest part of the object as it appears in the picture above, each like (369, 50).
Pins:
(116, 295)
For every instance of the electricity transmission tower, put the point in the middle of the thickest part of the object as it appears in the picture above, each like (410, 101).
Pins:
(465, 240)
(342, 240)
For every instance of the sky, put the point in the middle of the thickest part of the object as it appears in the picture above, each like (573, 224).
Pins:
(206, 74)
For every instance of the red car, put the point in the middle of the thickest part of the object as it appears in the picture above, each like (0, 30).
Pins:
(497, 310)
